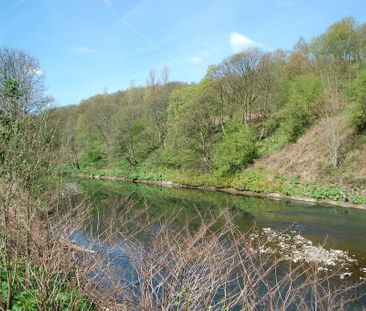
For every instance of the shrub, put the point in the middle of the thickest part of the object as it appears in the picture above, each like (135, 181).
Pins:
(357, 93)
(305, 95)
(235, 150)
(357, 116)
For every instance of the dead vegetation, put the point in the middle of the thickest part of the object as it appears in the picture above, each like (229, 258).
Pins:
(313, 156)
(133, 262)
(138, 263)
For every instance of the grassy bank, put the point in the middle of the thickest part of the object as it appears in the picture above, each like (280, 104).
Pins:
(254, 180)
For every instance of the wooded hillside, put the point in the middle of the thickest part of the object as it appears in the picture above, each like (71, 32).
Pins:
(254, 107)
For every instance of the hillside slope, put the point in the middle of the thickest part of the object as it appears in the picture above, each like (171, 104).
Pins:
(309, 158)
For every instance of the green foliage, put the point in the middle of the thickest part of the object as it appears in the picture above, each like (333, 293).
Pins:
(192, 129)
(236, 148)
(28, 178)
(358, 199)
(357, 113)
(198, 129)
(13, 91)
(320, 192)
(305, 96)
(29, 296)
(357, 116)
(93, 153)
(339, 41)
(272, 143)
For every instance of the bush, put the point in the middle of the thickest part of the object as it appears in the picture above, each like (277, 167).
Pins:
(305, 95)
(235, 150)
(357, 93)
(357, 116)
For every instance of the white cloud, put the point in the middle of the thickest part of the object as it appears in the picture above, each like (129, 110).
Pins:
(108, 2)
(196, 59)
(240, 42)
(83, 50)
(199, 57)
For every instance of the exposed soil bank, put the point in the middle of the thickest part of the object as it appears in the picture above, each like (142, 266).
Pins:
(271, 196)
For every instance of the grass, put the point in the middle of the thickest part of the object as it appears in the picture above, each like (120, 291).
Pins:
(28, 293)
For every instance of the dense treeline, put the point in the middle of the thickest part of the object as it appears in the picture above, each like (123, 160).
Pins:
(250, 105)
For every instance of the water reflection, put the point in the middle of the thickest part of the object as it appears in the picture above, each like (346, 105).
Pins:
(342, 229)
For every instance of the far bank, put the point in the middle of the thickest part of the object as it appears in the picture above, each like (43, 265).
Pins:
(255, 183)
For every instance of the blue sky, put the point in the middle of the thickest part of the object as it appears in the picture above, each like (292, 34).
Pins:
(87, 46)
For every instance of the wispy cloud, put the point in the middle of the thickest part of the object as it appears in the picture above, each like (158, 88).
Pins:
(145, 39)
(108, 2)
(12, 8)
(240, 42)
(196, 59)
(83, 50)
(199, 57)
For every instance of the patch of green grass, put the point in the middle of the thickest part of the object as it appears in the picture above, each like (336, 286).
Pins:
(28, 295)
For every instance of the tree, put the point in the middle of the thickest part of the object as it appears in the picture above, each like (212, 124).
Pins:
(298, 64)
(65, 144)
(152, 81)
(127, 129)
(99, 114)
(23, 110)
(270, 75)
(236, 148)
(361, 40)
(239, 73)
(20, 73)
(200, 126)
(157, 105)
(192, 126)
(132, 134)
(164, 75)
(214, 82)
(338, 47)
(304, 98)
(358, 95)
(330, 109)
(24, 154)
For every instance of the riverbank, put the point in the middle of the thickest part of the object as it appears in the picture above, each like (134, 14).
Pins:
(230, 190)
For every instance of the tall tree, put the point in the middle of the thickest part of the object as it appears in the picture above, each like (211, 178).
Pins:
(239, 73)
(21, 72)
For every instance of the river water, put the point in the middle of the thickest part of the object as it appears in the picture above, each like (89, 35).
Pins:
(333, 227)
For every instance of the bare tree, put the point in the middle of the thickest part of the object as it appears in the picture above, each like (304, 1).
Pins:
(239, 73)
(157, 109)
(21, 71)
(333, 123)
(164, 75)
(152, 81)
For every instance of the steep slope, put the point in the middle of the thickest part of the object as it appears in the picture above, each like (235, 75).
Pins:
(310, 157)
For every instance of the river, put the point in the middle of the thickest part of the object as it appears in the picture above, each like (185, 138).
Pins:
(335, 227)
(332, 227)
